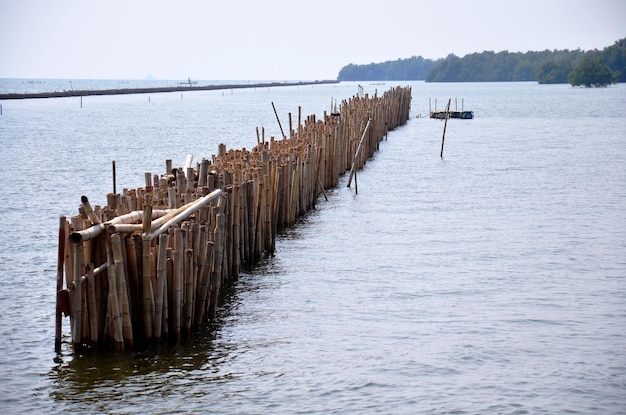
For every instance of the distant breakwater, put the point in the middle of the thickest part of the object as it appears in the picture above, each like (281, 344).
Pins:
(147, 90)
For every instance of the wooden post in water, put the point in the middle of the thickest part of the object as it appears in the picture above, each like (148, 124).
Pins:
(443, 137)
(60, 260)
(358, 151)
(114, 189)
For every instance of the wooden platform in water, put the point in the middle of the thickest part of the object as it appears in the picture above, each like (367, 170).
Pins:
(463, 115)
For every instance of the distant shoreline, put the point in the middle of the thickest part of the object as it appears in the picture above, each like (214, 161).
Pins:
(179, 88)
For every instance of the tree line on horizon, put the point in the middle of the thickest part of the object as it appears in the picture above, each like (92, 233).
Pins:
(577, 67)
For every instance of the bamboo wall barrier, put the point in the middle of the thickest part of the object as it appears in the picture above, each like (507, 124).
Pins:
(150, 265)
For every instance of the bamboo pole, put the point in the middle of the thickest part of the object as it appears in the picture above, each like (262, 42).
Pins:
(114, 308)
(161, 280)
(217, 264)
(148, 296)
(358, 151)
(60, 262)
(278, 119)
(93, 306)
(77, 307)
(177, 282)
(445, 124)
(122, 288)
(192, 208)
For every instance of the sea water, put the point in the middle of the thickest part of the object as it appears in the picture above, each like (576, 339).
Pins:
(491, 281)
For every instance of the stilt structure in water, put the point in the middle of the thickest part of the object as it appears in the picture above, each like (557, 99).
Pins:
(150, 266)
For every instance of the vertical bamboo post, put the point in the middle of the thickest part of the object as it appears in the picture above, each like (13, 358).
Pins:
(77, 306)
(93, 309)
(114, 310)
(148, 297)
(188, 297)
(217, 264)
(161, 278)
(122, 288)
(114, 182)
(60, 261)
(177, 282)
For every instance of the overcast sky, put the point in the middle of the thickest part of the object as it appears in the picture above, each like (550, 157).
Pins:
(280, 39)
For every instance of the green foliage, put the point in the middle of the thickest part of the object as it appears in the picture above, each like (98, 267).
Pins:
(545, 67)
(615, 57)
(503, 66)
(592, 71)
(555, 71)
(414, 68)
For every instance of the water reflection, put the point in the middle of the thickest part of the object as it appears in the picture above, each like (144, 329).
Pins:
(91, 378)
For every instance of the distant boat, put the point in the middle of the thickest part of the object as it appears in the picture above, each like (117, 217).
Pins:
(189, 82)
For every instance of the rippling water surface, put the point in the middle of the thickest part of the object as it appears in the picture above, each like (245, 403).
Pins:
(491, 281)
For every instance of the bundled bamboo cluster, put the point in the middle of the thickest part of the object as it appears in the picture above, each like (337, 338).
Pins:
(151, 264)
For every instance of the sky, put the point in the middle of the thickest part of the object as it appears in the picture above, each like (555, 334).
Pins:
(280, 39)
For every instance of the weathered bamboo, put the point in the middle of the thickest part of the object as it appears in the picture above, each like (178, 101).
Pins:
(77, 300)
(177, 283)
(115, 317)
(93, 308)
(148, 297)
(160, 291)
(188, 232)
(358, 152)
(60, 295)
(121, 284)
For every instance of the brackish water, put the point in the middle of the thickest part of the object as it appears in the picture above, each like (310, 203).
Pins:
(491, 281)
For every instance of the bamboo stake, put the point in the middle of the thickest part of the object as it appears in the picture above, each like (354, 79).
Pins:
(177, 282)
(161, 280)
(358, 151)
(114, 311)
(148, 296)
(77, 307)
(444, 127)
(60, 262)
(124, 305)
(217, 264)
(93, 309)
(278, 119)
(188, 296)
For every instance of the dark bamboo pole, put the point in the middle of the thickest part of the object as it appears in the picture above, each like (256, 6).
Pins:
(278, 119)
(445, 124)
(60, 261)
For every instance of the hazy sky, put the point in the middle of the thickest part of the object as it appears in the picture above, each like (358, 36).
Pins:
(280, 39)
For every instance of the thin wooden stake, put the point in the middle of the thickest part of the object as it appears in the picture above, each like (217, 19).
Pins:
(277, 119)
(114, 189)
(443, 137)
(60, 261)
